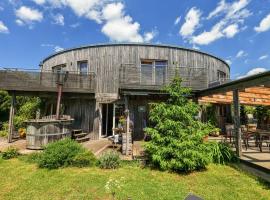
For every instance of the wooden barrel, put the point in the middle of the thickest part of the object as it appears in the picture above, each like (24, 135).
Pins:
(39, 133)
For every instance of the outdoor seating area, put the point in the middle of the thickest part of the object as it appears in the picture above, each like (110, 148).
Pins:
(250, 134)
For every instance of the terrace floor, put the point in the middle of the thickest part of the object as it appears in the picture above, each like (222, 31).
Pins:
(252, 154)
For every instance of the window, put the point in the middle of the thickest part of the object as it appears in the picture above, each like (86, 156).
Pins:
(58, 68)
(221, 76)
(153, 72)
(160, 72)
(83, 67)
(146, 72)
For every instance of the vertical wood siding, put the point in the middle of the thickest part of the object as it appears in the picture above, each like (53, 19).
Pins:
(106, 61)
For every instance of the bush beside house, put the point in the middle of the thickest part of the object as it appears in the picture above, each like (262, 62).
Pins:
(177, 137)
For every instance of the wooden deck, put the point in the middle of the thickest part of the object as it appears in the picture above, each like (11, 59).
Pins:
(34, 81)
(252, 155)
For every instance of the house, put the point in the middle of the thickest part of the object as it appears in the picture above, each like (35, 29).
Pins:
(102, 82)
(129, 76)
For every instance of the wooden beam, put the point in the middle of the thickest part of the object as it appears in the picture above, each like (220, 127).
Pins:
(251, 81)
(237, 129)
(127, 125)
(11, 117)
(226, 101)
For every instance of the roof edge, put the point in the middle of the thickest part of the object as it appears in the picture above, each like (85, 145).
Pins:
(133, 44)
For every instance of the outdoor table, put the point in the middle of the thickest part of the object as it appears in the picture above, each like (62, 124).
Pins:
(260, 135)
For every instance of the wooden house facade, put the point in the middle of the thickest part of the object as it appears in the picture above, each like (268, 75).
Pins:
(129, 76)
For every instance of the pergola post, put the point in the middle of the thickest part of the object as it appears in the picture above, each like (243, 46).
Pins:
(11, 117)
(127, 124)
(237, 128)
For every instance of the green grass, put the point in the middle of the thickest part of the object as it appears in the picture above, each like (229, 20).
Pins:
(21, 180)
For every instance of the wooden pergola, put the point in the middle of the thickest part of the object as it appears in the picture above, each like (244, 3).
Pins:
(253, 90)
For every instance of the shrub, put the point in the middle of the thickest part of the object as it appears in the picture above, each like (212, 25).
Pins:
(221, 152)
(4, 131)
(109, 160)
(176, 135)
(11, 152)
(65, 153)
(32, 158)
(83, 159)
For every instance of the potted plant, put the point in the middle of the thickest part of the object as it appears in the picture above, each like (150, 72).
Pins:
(215, 132)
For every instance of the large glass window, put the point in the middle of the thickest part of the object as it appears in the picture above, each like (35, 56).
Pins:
(160, 72)
(146, 72)
(83, 67)
(153, 72)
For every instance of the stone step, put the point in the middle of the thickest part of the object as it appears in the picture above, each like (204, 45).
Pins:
(80, 135)
(83, 139)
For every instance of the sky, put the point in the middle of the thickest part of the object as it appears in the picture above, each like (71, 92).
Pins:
(237, 31)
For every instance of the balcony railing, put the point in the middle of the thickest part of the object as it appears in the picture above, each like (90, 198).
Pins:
(19, 80)
(131, 77)
(219, 82)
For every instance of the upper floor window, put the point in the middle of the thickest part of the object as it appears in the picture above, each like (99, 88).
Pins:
(153, 71)
(221, 75)
(59, 68)
(83, 67)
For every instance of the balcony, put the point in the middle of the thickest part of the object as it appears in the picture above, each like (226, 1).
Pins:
(34, 81)
(131, 77)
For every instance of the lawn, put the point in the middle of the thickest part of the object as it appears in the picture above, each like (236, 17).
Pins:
(20, 180)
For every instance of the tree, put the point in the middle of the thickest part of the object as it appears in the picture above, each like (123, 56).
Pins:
(177, 136)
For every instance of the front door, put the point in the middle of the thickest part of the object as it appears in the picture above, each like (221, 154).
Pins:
(107, 120)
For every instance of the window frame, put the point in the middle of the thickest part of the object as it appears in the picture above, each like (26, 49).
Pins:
(79, 67)
(154, 66)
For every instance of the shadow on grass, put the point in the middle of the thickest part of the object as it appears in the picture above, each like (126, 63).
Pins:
(265, 184)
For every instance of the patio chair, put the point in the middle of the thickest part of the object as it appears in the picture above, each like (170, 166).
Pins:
(229, 132)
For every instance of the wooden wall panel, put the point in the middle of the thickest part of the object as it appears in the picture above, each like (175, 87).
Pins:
(105, 61)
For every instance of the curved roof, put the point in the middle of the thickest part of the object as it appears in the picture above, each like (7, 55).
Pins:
(132, 44)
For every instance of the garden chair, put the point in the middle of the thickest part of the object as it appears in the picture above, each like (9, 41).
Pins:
(229, 132)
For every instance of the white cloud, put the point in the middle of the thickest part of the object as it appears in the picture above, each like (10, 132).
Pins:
(263, 57)
(19, 22)
(241, 54)
(148, 36)
(39, 2)
(55, 48)
(47, 45)
(231, 30)
(116, 24)
(221, 7)
(58, 48)
(3, 28)
(75, 25)
(208, 37)
(264, 25)
(234, 15)
(253, 72)
(177, 20)
(228, 61)
(192, 21)
(59, 19)
(28, 15)
(120, 27)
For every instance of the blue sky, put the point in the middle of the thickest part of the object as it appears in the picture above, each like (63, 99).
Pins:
(236, 31)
